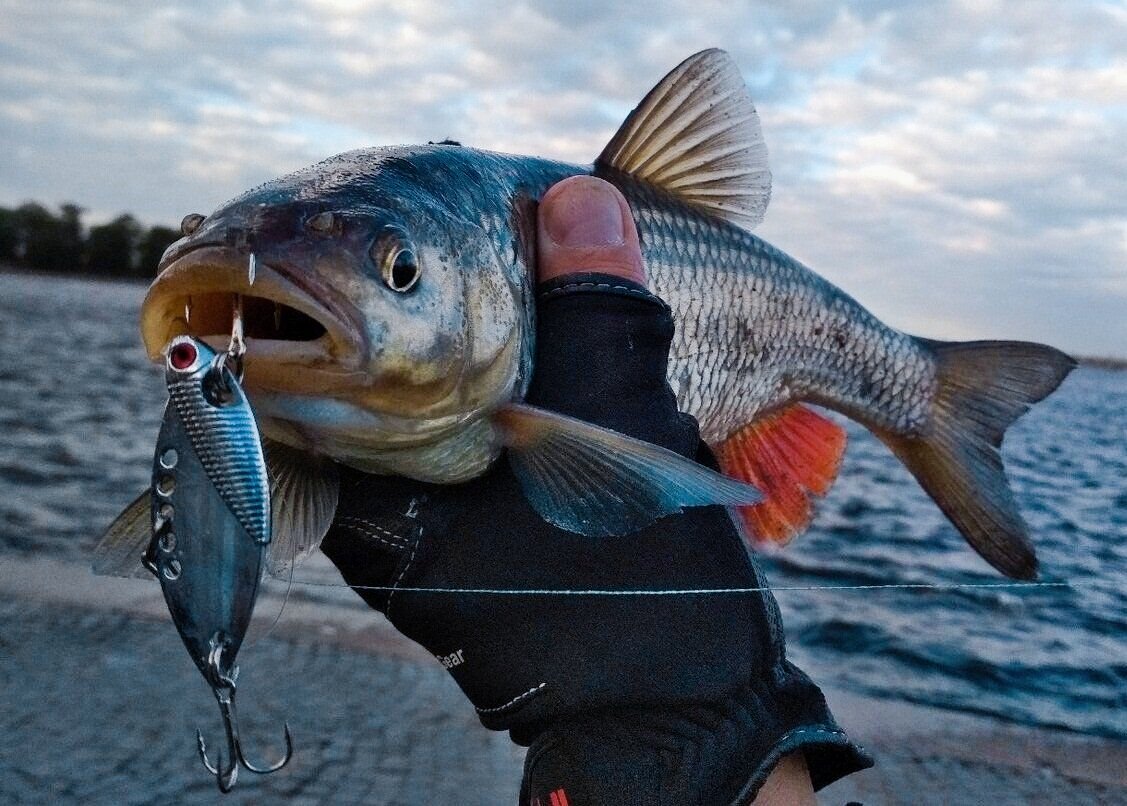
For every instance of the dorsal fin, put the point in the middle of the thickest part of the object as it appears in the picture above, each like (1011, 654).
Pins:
(792, 456)
(697, 135)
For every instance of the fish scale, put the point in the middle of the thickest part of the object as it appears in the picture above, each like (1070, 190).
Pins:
(793, 318)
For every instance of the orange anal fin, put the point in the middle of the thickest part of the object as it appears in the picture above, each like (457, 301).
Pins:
(792, 456)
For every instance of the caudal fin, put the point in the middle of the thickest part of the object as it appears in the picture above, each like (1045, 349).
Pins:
(982, 388)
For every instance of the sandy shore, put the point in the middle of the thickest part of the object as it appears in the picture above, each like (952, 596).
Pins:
(101, 704)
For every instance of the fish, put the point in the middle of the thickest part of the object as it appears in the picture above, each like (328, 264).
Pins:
(390, 327)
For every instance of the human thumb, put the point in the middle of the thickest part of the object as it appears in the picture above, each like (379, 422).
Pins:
(585, 225)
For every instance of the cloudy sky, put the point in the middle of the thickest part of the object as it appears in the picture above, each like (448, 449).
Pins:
(959, 167)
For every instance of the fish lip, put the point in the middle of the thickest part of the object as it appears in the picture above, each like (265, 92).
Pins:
(223, 269)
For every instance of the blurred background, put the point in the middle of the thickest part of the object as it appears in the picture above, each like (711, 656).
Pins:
(958, 167)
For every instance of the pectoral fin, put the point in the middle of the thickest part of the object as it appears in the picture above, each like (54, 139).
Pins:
(304, 490)
(598, 482)
(119, 551)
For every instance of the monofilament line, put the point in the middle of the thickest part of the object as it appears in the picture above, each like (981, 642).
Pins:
(692, 591)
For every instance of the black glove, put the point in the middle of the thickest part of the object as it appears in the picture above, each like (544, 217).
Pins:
(663, 699)
(525, 660)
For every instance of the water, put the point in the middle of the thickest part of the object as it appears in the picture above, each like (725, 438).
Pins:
(82, 406)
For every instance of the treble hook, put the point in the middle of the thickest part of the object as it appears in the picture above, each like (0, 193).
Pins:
(223, 687)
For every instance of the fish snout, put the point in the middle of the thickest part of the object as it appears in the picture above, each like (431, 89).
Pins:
(297, 327)
(247, 229)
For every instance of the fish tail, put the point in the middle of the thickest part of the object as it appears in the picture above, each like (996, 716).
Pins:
(982, 387)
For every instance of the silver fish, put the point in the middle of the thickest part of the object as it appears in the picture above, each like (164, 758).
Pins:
(403, 277)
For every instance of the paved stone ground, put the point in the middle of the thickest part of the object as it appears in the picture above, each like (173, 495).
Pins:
(100, 705)
(102, 708)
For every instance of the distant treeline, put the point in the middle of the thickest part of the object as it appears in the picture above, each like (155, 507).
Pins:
(35, 238)
(1104, 363)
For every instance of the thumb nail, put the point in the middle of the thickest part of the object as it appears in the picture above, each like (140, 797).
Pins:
(584, 214)
(585, 225)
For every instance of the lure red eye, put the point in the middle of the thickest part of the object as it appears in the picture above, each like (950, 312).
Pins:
(183, 355)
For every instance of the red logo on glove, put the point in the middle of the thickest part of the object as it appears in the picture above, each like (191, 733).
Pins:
(556, 798)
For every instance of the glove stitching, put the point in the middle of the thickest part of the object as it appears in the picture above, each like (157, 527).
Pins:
(572, 288)
(511, 702)
(403, 571)
(363, 527)
(365, 530)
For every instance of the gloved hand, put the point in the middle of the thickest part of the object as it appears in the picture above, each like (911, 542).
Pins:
(534, 659)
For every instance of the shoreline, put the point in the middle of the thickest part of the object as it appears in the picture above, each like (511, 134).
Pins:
(27, 271)
(957, 757)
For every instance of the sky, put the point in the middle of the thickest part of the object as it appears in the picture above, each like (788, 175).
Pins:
(958, 167)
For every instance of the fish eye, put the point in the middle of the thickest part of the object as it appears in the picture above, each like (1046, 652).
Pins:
(404, 272)
(190, 223)
(398, 263)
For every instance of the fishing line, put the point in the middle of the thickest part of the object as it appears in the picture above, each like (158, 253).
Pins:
(290, 581)
(693, 591)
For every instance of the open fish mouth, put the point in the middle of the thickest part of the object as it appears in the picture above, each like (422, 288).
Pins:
(290, 320)
(263, 318)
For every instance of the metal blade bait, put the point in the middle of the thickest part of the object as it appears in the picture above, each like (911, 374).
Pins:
(211, 523)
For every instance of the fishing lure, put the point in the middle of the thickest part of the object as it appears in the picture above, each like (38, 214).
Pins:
(210, 507)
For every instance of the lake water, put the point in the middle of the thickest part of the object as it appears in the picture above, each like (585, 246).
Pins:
(81, 408)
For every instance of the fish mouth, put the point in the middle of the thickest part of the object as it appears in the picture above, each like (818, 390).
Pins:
(291, 320)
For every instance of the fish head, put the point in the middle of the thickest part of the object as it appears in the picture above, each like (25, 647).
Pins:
(376, 311)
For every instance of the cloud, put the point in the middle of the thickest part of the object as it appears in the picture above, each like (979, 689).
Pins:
(957, 166)
(965, 183)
